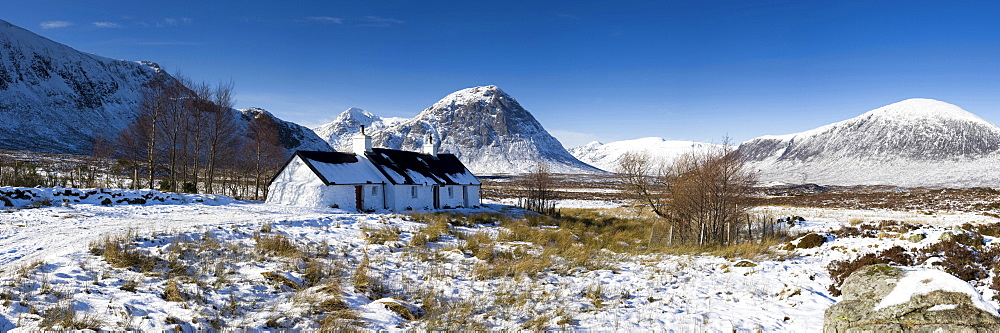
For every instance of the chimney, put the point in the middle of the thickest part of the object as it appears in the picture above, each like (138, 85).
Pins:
(362, 142)
(429, 147)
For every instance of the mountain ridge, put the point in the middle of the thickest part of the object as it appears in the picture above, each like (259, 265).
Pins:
(915, 142)
(484, 127)
(605, 156)
(56, 99)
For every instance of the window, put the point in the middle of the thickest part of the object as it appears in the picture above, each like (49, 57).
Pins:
(413, 192)
(451, 192)
(374, 190)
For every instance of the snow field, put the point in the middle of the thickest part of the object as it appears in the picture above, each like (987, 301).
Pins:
(442, 281)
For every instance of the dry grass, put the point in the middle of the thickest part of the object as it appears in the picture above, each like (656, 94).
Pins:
(376, 235)
(65, 317)
(120, 252)
(172, 292)
(278, 245)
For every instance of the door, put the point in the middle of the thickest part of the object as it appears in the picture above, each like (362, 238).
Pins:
(437, 197)
(359, 197)
(465, 196)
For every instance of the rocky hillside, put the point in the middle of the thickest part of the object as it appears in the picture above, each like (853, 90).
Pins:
(339, 131)
(915, 142)
(483, 126)
(56, 99)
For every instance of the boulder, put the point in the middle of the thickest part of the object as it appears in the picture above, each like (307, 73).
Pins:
(917, 238)
(881, 298)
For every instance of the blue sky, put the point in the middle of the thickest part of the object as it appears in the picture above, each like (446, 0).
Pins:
(601, 70)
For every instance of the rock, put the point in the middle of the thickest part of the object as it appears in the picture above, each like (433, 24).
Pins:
(917, 238)
(926, 300)
(745, 263)
(946, 236)
(810, 241)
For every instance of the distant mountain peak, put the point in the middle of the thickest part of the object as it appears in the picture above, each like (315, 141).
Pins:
(915, 108)
(56, 99)
(483, 126)
(914, 142)
(357, 114)
(607, 156)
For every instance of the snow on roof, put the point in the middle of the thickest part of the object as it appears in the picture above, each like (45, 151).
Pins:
(399, 167)
(924, 281)
(340, 168)
(405, 167)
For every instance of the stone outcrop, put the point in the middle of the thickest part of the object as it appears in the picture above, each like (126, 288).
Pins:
(868, 304)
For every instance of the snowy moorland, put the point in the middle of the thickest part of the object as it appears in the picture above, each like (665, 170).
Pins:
(200, 263)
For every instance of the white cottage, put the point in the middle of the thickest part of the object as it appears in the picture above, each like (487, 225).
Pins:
(373, 179)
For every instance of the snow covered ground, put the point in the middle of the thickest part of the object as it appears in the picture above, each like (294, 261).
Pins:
(46, 264)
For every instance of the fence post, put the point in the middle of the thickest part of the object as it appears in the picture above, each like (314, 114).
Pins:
(670, 239)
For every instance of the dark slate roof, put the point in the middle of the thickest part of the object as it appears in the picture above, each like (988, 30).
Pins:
(406, 167)
(339, 168)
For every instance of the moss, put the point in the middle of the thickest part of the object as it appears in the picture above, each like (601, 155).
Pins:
(810, 241)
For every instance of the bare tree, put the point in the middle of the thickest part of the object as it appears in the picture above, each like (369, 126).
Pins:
(140, 141)
(703, 195)
(538, 185)
(220, 130)
(643, 180)
(264, 151)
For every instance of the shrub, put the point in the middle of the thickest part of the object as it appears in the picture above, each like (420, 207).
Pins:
(276, 245)
(64, 317)
(957, 260)
(992, 229)
(121, 255)
(810, 241)
(407, 312)
(841, 269)
(172, 292)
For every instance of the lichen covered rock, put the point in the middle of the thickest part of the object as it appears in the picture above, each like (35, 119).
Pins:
(881, 298)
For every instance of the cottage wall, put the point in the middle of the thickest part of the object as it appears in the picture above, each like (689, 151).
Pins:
(472, 192)
(338, 196)
(402, 197)
(296, 185)
(453, 200)
(372, 198)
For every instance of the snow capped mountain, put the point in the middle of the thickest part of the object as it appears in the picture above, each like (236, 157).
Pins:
(606, 156)
(339, 131)
(915, 142)
(56, 99)
(483, 126)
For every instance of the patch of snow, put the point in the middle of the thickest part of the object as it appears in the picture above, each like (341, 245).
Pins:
(924, 281)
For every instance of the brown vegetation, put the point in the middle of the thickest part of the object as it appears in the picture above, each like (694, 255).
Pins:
(703, 196)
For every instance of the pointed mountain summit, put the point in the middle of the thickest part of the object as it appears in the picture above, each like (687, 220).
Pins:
(339, 131)
(487, 130)
(913, 142)
(484, 127)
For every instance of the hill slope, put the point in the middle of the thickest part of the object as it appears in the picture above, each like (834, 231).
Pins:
(915, 142)
(606, 156)
(484, 127)
(56, 99)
